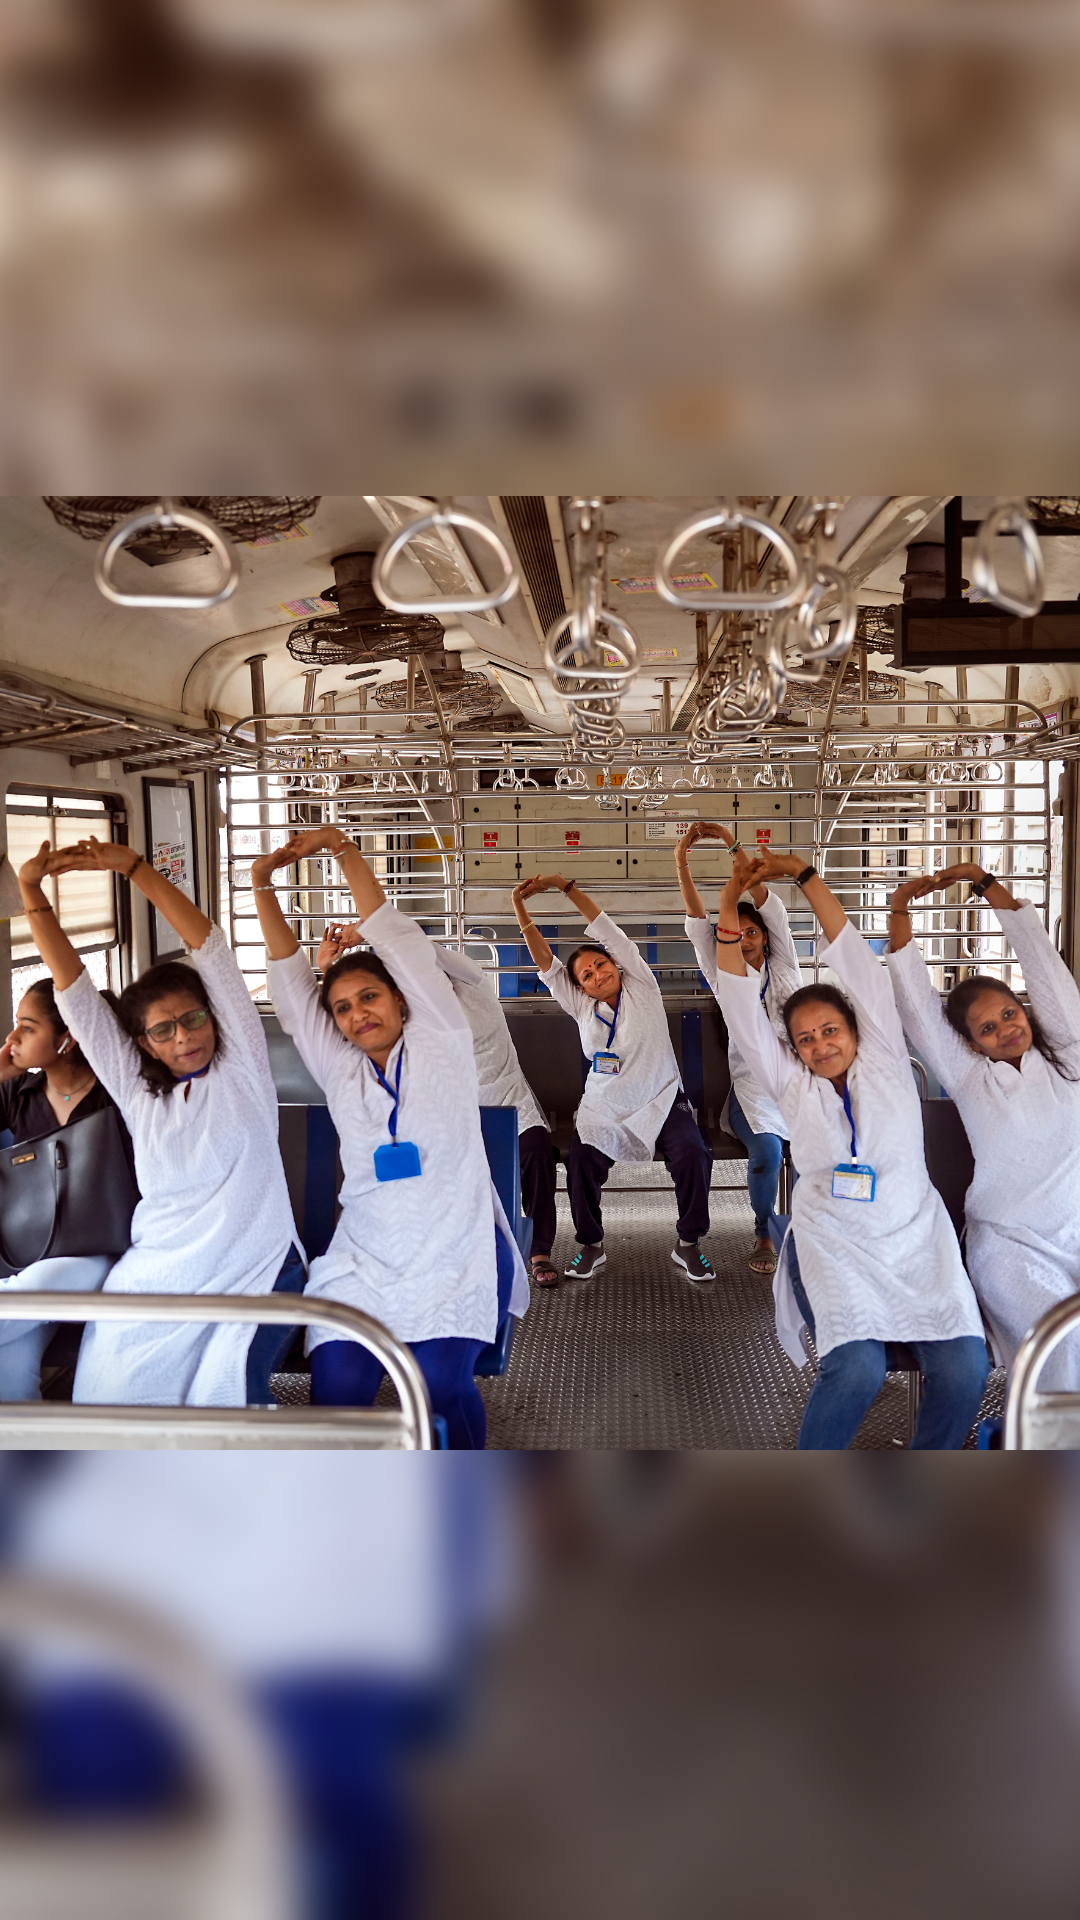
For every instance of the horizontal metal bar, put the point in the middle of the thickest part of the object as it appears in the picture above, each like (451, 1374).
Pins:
(249, 1309)
(53, 1424)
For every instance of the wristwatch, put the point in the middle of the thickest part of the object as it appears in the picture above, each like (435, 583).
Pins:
(979, 888)
(806, 874)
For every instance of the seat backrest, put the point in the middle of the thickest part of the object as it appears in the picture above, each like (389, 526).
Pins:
(499, 1126)
(949, 1159)
(549, 1052)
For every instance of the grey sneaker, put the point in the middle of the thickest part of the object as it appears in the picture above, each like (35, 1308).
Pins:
(694, 1263)
(586, 1262)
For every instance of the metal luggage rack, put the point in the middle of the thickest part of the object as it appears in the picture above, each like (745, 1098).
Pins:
(870, 803)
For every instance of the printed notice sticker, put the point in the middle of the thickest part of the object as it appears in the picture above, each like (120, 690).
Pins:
(491, 840)
(303, 609)
(666, 829)
(646, 582)
(764, 835)
(573, 840)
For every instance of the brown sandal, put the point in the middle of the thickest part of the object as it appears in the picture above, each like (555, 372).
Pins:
(762, 1260)
(543, 1272)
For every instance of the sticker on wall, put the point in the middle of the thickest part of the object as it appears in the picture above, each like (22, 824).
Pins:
(302, 609)
(764, 835)
(665, 829)
(646, 582)
(573, 840)
(491, 840)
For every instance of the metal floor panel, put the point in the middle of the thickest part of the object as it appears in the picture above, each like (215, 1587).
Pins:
(640, 1358)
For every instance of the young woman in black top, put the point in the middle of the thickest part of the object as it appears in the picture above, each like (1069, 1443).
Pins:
(45, 1083)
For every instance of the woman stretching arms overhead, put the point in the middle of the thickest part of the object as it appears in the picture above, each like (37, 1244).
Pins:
(189, 1071)
(415, 1245)
(1015, 1078)
(878, 1260)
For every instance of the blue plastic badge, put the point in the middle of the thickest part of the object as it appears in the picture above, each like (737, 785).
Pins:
(605, 1063)
(853, 1182)
(398, 1162)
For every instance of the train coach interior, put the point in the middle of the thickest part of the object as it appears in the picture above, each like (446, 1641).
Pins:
(478, 689)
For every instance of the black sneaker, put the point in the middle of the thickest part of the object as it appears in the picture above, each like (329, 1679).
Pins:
(586, 1262)
(690, 1258)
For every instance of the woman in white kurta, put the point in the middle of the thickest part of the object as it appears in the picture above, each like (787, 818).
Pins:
(1015, 1078)
(501, 1084)
(769, 950)
(878, 1260)
(633, 1100)
(189, 1071)
(415, 1245)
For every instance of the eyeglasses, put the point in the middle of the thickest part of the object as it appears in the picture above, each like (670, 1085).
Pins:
(191, 1022)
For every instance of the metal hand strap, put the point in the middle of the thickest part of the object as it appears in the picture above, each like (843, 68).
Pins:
(444, 518)
(590, 671)
(732, 520)
(227, 1423)
(170, 513)
(1010, 516)
(1025, 1406)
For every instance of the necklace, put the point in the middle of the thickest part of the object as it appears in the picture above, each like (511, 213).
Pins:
(70, 1096)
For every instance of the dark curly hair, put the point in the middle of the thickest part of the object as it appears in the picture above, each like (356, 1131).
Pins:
(356, 960)
(958, 1006)
(831, 996)
(171, 976)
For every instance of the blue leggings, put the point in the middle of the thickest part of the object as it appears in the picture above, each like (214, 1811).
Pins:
(345, 1374)
(765, 1153)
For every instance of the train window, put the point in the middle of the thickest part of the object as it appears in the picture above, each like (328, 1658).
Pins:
(85, 902)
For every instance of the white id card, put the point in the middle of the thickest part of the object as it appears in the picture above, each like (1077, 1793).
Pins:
(605, 1063)
(853, 1182)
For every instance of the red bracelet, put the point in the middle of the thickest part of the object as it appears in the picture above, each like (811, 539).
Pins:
(727, 939)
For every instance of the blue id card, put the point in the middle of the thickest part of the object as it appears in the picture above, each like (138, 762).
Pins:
(605, 1063)
(398, 1162)
(852, 1182)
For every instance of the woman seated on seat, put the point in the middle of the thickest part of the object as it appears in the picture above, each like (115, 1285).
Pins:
(46, 1082)
(415, 1245)
(1015, 1078)
(768, 948)
(878, 1260)
(191, 1076)
(633, 1100)
(501, 1084)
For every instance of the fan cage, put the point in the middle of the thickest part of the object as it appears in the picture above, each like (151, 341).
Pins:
(242, 516)
(470, 693)
(332, 640)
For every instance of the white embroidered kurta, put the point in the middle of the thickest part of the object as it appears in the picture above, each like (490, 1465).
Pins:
(621, 1113)
(784, 978)
(418, 1254)
(889, 1269)
(498, 1070)
(214, 1215)
(1023, 1205)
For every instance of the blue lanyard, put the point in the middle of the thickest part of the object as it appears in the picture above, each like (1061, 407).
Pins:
(846, 1097)
(765, 986)
(394, 1092)
(614, 1018)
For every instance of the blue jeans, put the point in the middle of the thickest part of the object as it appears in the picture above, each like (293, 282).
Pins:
(269, 1345)
(765, 1155)
(851, 1376)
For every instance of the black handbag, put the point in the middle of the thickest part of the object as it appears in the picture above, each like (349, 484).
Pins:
(71, 1192)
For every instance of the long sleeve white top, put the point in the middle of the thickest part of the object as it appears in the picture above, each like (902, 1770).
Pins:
(621, 1113)
(498, 1070)
(1023, 1205)
(776, 984)
(418, 1254)
(214, 1215)
(888, 1269)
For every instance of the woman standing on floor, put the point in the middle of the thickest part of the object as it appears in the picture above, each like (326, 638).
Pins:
(1015, 1078)
(46, 1082)
(501, 1084)
(768, 948)
(187, 1066)
(633, 1100)
(878, 1260)
(416, 1245)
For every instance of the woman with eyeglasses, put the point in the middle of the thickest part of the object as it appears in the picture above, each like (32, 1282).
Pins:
(633, 1100)
(187, 1066)
(421, 1242)
(1014, 1073)
(768, 948)
(877, 1259)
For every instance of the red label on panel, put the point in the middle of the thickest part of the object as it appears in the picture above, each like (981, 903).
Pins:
(491, 841)
(573, 840)
(764, 835)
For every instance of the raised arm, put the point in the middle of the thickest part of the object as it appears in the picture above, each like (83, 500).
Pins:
(820, 898)
(48, 935)
(539, 951)
(899, 916)
(922, 1015)
(184, 917)
(698, 830)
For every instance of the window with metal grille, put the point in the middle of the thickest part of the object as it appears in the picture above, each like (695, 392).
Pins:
(85, 903)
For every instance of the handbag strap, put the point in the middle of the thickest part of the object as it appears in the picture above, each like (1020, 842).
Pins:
(59, 1184)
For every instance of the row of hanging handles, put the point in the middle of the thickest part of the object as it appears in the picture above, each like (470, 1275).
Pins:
(793, 625)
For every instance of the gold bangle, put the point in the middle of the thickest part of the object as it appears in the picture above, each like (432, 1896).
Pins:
(527, 925)
(139, 862)
(47, 908)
